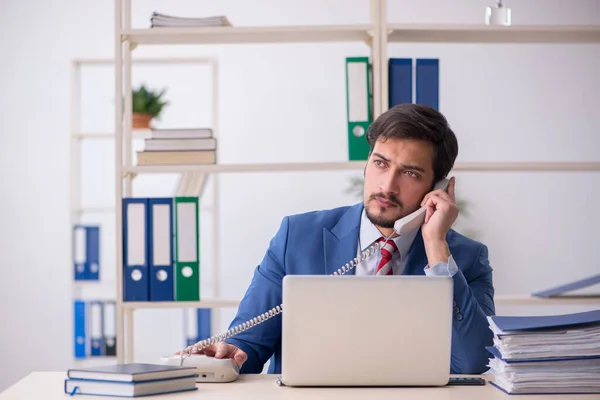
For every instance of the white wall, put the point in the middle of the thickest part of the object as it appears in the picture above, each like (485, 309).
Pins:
(286, 103)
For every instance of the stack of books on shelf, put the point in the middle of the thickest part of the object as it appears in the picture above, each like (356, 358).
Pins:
(546, 354)
(164, 20)
(179, 147)
(130, 380)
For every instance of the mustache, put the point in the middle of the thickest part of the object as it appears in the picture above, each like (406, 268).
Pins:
(390, 198)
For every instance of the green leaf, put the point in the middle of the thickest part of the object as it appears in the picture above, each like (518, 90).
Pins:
(148, 101)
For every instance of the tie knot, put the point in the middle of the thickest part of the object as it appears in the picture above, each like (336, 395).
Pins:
(389, 246)
(385, 264)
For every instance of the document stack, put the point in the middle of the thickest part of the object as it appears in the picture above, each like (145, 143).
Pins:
(164, 20)
(130, 380)
(546, 354)
(179, 147)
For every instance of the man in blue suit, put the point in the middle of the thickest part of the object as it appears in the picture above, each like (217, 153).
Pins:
(411, 148)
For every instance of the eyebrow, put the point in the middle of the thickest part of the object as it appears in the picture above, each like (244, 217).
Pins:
(405, 166)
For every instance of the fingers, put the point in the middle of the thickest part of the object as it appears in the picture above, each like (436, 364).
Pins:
(226, 350)
(209, 351)
(447, 194)
(437, 203)
(223, 350)
(240, 357)
(451, 188)
(430, 209)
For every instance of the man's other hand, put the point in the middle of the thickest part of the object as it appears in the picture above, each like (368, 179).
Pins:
(225, 350)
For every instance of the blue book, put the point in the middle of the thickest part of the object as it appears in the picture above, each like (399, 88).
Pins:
(580, 284)
(131, 372)
(129, 389)
(532, 323)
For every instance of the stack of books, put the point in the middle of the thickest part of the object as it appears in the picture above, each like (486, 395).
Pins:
(130, 380)
(164, 20)
(546, 354)
(179, 147)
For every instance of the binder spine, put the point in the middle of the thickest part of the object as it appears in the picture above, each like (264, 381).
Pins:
(187, 255)
(359, 109)
(93, 253)
(400, 73)
(135, 250)
(204, 323)
(109, 334)
(79, 252)
(96, 329)
(160, 249)
(427, 77)
(79, 324)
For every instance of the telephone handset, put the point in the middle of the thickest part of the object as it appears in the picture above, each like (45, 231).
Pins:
(417, 218)
(401, 226)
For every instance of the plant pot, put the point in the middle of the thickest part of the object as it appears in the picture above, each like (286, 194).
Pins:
(141, 120)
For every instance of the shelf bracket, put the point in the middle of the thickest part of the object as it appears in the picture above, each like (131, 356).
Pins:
(369, 41)
(132, 175)
(125, 38)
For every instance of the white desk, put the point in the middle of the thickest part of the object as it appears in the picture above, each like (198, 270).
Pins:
(50, 386)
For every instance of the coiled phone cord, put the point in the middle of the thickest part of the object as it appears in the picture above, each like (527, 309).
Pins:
(201, 345)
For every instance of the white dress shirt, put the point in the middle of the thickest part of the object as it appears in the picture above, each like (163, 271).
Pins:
(368, 236)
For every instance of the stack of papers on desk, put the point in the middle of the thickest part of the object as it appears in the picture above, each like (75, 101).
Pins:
(548, 354)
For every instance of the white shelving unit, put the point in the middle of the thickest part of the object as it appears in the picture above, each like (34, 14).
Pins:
(377, 35)
(190, 182)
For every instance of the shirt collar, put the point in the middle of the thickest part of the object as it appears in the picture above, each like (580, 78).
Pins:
(369, 234)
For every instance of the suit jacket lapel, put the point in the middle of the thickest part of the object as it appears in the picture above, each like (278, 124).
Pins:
(417, 258)
(340, 243)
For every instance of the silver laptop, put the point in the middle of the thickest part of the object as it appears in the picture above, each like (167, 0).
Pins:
(366, 331)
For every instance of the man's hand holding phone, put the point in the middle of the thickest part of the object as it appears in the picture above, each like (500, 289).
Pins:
(441, 213)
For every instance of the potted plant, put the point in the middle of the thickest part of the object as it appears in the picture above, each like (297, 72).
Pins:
(146, 105)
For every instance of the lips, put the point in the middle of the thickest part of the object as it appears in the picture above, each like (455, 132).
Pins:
(384, 203)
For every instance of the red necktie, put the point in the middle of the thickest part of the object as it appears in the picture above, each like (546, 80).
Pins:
(385, 265)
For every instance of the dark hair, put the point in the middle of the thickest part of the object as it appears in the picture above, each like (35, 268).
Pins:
(418, 121)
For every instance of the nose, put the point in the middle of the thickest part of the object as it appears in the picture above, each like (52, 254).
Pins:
(388, 183)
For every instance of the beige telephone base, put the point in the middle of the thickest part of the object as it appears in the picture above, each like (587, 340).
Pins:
(209, 369)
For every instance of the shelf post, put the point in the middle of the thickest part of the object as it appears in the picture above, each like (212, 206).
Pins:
(383, 46)
(376, 57)
(119, 323)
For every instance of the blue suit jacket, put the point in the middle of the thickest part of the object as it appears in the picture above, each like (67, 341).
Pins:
(320, 242)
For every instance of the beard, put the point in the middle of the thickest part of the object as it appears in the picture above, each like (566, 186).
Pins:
(381, 220)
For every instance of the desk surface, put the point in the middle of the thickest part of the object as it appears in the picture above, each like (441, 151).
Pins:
(50, 386)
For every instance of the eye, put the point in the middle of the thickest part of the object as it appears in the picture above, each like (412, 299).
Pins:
(412, 174)
(379, 163)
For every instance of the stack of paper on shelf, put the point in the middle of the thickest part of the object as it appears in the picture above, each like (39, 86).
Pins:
(179, 147)
(164, 20)
(546, 354)
(130, 380)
